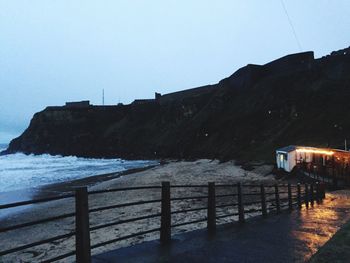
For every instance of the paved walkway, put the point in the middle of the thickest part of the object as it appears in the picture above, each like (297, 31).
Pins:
(288, 237)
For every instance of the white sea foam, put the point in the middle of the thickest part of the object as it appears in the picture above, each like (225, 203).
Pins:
(19, 171)
(3, 147)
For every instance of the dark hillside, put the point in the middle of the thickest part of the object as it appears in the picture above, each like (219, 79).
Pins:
(293, 100)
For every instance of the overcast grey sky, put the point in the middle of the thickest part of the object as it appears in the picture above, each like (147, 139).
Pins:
(53, 51)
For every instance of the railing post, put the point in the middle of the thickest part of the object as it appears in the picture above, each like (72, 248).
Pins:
(322, 188)
(318, 197)
(299, 195)
(312, 195)
(335, 181)
(306, 197)
(277, 197)
(290, 197)
(240, 203)
(211, 216)
(165, 227)
(263, 200)
(82, 226)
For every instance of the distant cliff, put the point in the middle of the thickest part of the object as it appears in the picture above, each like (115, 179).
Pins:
(294, 100)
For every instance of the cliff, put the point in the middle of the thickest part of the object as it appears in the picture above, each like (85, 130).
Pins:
(293, 100)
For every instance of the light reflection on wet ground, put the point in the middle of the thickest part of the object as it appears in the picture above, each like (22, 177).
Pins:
(288, 237)
(315, 226)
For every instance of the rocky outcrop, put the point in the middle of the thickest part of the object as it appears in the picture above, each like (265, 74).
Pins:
(293, 100)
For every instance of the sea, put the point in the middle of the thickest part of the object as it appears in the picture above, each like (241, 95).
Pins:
(22, 177)
(20, 171)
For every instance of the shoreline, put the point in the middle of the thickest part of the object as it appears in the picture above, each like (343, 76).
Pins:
(56, 189)
(90, 181)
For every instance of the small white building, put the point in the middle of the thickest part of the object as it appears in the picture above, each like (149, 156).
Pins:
(285, 158)
(288, 157)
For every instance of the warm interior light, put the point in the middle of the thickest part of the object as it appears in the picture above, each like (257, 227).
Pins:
(305, 150)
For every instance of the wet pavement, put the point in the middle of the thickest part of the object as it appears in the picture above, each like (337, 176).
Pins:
(287, 237)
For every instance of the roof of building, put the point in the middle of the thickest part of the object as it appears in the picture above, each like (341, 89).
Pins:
(291, 148)
(287, 149)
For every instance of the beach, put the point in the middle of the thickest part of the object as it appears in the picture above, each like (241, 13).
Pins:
(176, 172)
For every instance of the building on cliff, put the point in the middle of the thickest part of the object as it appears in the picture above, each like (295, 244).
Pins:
(157, 97)
(78, 104)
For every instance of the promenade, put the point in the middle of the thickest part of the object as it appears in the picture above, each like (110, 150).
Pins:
(287, 237)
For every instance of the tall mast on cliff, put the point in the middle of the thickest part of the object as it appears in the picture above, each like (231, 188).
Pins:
(103, 96)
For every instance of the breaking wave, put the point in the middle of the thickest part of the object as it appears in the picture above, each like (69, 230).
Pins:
(20, 171)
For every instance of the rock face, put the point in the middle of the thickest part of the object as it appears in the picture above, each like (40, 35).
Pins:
(293, 100)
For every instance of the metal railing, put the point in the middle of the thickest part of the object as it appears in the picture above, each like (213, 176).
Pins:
(245, 199)
(331, 173)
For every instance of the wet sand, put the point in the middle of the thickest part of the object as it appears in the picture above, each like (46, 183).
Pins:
(177, 172)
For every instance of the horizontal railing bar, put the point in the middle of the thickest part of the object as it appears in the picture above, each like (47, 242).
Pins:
(269, 185)
(190, 222)
(124, 237)
(269, 193)
(188, 210)
(286, 185)
(228, 215)
(226, 205)
(50, 219)
(59, 257)
(12, 250)
(253, 203)
(265, 185)
(124, 221)
(226, 195)
(283, 192)
(189, 198)
(252, 194)
(189, 186)
(273, 185)
(123, 205)
(258, 193)
(124, 189)
(226, 185)
(35, 201)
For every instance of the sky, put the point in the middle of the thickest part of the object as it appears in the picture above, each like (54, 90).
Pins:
(53, 51)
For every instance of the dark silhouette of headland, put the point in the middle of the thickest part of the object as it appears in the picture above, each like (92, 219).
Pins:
(296, 99)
